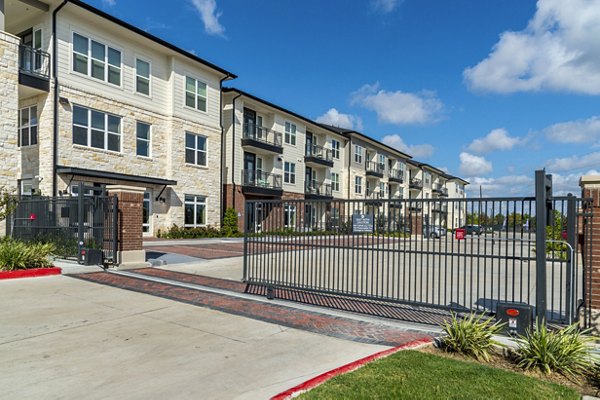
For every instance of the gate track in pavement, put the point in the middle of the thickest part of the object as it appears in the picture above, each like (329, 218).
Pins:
(334, 326)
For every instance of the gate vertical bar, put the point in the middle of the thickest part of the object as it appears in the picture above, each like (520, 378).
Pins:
(540, 244)
(115, 229)
(571, 225)
(80, 218)
(246, 228)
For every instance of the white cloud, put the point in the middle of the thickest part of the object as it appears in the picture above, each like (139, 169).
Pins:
(558, 50)
(574, 162)
(335, 118)
(565, 184)
(418, 150)
(497, 139)
(385, 6)
(472, 165)
(579, 131)
(509, 185)
(109, 3)
(210, 16)
(398, 107)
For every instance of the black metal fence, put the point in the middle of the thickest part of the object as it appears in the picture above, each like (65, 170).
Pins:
(70, 223)
(411, 251)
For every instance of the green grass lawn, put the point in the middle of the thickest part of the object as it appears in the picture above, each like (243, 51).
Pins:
(416, 375)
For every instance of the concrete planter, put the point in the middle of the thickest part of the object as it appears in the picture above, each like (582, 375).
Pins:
(29, 273)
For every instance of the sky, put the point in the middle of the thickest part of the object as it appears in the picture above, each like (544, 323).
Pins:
(488, 90)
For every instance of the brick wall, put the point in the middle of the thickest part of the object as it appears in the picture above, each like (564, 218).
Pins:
(130, 219)
(591, 189)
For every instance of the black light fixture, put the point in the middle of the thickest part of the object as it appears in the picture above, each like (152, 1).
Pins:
(64, 101)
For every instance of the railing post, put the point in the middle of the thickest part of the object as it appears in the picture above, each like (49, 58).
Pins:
(246, 214)
(80, 218)
(571, 225)
(541, 184)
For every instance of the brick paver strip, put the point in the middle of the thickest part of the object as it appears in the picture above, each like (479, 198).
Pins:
(339, 327)
(370, 307)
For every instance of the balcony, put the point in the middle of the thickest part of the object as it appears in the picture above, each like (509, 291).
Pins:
(262, 139)
(261, 183)
(317, 190)
(415, 184)
(439, 208)
(396, 201)
(318, 155)
(375, 169)
(34, 68)
(415, 206)
(396, 176)
(374, 198)
(440, 190)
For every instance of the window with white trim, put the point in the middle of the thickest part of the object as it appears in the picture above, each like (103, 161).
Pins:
(382, 161)
(335, 181)
(195, 211)
(289, 216)
(195, 93)
(142, 76)
(96, 129)
(146, 212)
(195, 149)
(335, 149)
(143, 136)
(357, 184)
(290, 133)
(28, 126)
(289, 175)
(96, 59)
(27, 187)
(358, 154)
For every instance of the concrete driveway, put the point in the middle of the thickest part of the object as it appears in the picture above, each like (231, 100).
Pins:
(65, 338)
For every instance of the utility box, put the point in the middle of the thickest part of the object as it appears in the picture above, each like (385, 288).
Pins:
(91, 257)
(460, 233)
(516, 316)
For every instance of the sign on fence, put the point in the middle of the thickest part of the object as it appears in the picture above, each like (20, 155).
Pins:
(362, 223)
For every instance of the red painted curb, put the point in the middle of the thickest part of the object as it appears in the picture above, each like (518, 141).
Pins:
(29, 273)
(344, 369)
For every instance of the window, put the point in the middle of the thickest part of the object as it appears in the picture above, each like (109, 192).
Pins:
(28, 126)
(357, 185)
(142, 133)
(289, 216)
(335, 182)
(335, 149)
(195, 94)
(381, 188)
(96, 129)
(97, 60)
(290, 133)
(195, 211)
(26, 187)
(289, 175)
(358, 154)
(142, 77)
(195, 149)
(382, 161)
(427, 178)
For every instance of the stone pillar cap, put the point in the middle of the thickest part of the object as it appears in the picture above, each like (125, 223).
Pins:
(589, 180)
(125, 189)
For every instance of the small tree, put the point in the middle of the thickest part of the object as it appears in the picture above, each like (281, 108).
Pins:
(8, 203)
(230, 223)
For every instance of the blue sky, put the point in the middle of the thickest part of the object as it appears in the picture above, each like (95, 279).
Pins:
(488, 90)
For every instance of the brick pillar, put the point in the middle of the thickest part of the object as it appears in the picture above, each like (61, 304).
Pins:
(590, 186)
(416, 221)
(130, 246)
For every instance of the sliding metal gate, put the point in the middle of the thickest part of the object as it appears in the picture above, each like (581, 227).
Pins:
(409, 251)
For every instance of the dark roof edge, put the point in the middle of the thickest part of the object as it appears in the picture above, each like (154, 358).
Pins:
(113, 175)
(268, 103)
(149, 36)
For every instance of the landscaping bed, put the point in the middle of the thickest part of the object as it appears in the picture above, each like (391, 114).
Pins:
(30, 273)
(20, 259)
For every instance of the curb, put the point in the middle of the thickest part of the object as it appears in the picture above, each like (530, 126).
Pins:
(29, 273)
(344, 369)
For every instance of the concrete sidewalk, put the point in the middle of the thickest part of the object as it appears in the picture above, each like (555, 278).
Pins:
(66, 338)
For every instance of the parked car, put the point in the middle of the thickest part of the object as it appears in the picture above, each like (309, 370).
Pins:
(472, 229)
(434, 231)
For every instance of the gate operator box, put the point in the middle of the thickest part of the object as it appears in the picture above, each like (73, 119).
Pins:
(91, 257)
(516, 316)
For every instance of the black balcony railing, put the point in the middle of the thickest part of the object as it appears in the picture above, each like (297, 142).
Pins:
(318, 188)
(396, 175)
(319, 152)
(261, 179)
(34, 62)
(375, 195)
(416, 183)
(440, 189)
(261, 134)
(375, 168)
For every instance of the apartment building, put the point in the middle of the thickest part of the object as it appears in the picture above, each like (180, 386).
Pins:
(274, 153)
(89, 98)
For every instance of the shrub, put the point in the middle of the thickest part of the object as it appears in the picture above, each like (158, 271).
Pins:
(15, 255)
(564, 351)
(230, 223)
(176, 232)
(471, 336)
(593, 376)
